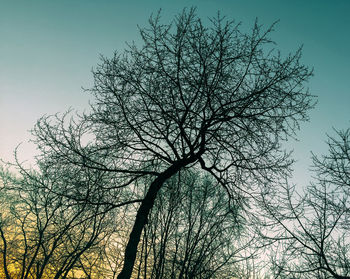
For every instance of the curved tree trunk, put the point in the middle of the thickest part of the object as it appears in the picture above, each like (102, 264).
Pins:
(142, 215)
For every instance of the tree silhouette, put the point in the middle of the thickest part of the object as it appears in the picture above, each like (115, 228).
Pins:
(191, 232)
(45, 235)
(191, 96)
(311, 232)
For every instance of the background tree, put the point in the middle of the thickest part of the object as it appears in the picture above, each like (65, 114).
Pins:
(190, 96)
(312, 231)
(191, 232)
(45, 235)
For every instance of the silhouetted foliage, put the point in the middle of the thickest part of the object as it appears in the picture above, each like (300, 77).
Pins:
(312, 231)
(191, 96)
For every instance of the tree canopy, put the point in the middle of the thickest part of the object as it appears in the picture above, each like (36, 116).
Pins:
(311, 230)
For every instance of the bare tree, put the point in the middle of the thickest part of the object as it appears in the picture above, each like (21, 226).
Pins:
(45, 235)
(190, 96)
(191, 232)
(312, 231)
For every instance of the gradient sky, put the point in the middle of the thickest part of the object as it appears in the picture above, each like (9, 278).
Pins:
(48, 48)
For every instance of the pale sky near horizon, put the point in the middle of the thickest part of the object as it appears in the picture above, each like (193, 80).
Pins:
(48, 48)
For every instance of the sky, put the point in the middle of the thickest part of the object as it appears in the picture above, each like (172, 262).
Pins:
(48, 49)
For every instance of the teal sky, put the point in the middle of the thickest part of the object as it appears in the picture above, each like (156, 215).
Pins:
(48, 48)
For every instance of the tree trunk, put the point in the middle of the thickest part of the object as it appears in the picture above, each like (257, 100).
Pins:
(142, 215)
